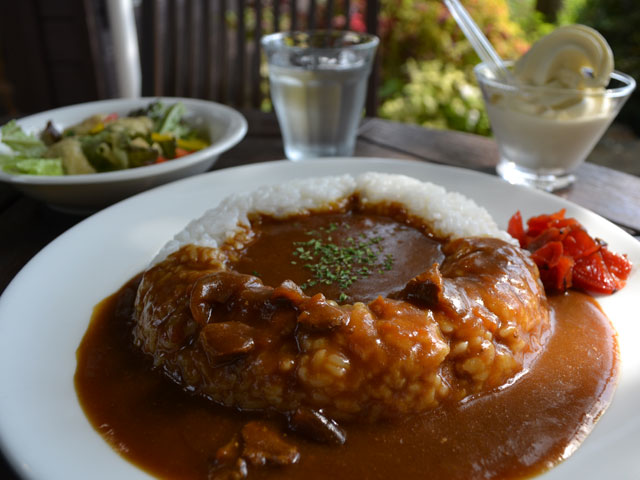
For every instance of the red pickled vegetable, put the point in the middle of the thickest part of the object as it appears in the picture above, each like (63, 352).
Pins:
(112, 117)
(618, 265)
(181, 152)
(515, 228)
(567, 256)
(590, 273)
(578, 243)
(549, 254)
(555, 268)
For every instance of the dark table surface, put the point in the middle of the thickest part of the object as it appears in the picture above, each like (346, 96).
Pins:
(27, 226)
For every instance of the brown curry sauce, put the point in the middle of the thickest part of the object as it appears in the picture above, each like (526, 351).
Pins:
(514, 432)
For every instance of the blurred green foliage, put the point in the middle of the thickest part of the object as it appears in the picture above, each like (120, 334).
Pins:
(426, 61)
(532, 23)
(424, 30)
(571, 10)
(439, 95)
(426, 71)
(618, 22)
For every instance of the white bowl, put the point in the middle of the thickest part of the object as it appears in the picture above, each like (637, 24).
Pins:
(91, 192)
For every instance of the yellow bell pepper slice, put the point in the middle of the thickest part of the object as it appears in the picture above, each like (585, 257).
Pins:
(161, 137)
(192, 145)
(97, 128)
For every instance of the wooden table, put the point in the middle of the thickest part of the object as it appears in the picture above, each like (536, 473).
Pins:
(27, 226)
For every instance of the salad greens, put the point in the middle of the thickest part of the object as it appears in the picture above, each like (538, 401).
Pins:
(20, 142)
(28, 153)
(102, 143)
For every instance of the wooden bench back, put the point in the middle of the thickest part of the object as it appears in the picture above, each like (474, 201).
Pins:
(211, 48)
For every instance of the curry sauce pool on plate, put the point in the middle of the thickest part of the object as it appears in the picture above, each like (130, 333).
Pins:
(311, 365)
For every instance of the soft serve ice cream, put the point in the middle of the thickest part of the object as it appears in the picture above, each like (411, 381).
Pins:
(549, 116)
(574, 60)
(560, 59)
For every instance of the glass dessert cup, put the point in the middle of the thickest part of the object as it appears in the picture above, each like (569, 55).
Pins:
(544, 134)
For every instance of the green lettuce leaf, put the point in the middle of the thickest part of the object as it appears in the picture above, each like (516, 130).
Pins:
(171, 120)
(21, 143)
(32, 166)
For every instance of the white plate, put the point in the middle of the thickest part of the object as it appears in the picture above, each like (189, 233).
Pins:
(88, 193)
(44, 313)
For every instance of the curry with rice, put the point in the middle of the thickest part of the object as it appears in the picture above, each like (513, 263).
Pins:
(357, 338)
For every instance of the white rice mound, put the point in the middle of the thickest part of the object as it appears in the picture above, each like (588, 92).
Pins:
(449, 214)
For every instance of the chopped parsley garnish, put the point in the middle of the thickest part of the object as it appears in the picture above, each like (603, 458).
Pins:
(340, 264)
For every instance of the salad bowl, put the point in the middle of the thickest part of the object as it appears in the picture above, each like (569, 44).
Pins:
(89, 192)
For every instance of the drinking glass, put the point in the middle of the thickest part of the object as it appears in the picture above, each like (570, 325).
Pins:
(544, 134)
(318, 82)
